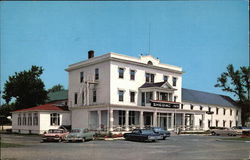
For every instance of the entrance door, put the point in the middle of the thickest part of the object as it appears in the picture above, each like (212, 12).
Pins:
(163, 122)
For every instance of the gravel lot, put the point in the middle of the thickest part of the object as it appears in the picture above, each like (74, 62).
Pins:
(182, 147)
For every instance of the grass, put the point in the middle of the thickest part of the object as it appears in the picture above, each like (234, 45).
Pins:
(237, 139)
(10, 145)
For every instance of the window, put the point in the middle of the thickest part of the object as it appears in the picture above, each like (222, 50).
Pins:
(230, 124)
(150, 63)
(191, 107)
(217, 110)
(237, 112)
(54, 119)
(24, 119)
(96, 73)
(132, 97)
(150, 77)
(75, 98)
(175, 98)
(208, 123)
(131, 118)
(143, 98)
(29, 119)
(174, 81)
(201, 108)
(121, 117)
(81, 77)
(149, 96)
(224, 111)
(35, 119)
(231, 112)
(216, 123)
(200, 123)
(224, 123)
(182, 106)
(132, 74)
(121, 72)
(165, 78)
(94, 95)
(236, 123)
(19, 120)
(209, 109)
(121, 94)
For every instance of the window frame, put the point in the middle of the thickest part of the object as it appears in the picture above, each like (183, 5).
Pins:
(132, 75)
(81, 77)
(55, 119)
(132, 98)
(121, 95)
(121, 72)
(174, 81)
(96, 73)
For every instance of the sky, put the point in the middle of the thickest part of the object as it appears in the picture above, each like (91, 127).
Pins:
(202, 37)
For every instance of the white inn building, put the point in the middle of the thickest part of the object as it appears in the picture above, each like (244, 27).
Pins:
(115, 92)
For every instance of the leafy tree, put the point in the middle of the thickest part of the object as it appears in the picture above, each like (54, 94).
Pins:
(26, 88)
(56, 88)
(237, 82)
(5, 111)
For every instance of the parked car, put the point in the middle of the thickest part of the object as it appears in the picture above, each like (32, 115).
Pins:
(55, 135)
(239, 129)
(161, 131)
(222, 131)
(142, 135)
(80, 134)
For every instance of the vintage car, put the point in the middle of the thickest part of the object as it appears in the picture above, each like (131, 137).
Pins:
(161, 131)
(80, 134)
(142, 135)
(55, 135)
(239, 129)
(217, 131)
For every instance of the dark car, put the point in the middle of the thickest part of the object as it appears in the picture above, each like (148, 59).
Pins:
(161, 131)
(142, 135)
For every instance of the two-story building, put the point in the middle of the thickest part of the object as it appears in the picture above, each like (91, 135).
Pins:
(116, 92)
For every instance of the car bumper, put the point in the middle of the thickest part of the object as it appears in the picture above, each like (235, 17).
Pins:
(51, 139)
(153, 138)
(74, 139)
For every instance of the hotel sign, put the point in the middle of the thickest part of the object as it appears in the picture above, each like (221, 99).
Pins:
(164, 105)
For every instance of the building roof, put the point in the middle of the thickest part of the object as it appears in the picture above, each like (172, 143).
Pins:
(206, 98)
(57, 96)
(146, 85)
(44, 107)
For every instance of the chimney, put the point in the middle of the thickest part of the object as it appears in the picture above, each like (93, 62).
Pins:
(91, 54)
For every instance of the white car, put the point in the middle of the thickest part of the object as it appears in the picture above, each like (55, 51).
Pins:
(223, 131)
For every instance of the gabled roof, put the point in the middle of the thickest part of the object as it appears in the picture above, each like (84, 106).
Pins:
(206, 98)
(158, 84)
(45, 107)
(57, 96)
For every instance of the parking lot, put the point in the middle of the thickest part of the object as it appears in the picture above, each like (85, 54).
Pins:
(174, 148)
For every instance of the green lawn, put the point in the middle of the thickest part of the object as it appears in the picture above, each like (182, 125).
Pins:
(237, 139)
(8, 145)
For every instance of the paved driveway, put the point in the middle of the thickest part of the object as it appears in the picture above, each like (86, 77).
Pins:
(186, 147)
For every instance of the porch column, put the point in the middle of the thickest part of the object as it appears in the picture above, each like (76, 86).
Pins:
(203, 121)
(99, 119)
(141, 120)
(126, 120)
(172, 121)
(155, 119)
(183, 121)
(111, 120)
(154, 95)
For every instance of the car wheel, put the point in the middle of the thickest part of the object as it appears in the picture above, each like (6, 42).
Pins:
(164, 138)
(60, 140)
(213, 133)
(83, 139)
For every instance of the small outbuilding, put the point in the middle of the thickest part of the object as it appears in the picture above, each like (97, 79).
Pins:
(39, 119)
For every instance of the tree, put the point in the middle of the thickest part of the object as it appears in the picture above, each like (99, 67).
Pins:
(237, 82)
(56, 88)
(26, 88)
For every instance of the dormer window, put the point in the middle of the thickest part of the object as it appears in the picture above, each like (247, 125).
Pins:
(150, 63)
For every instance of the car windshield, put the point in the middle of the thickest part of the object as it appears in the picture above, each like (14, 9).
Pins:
(55, 131)
(76, 131)
(158, 129)
(147, 132)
